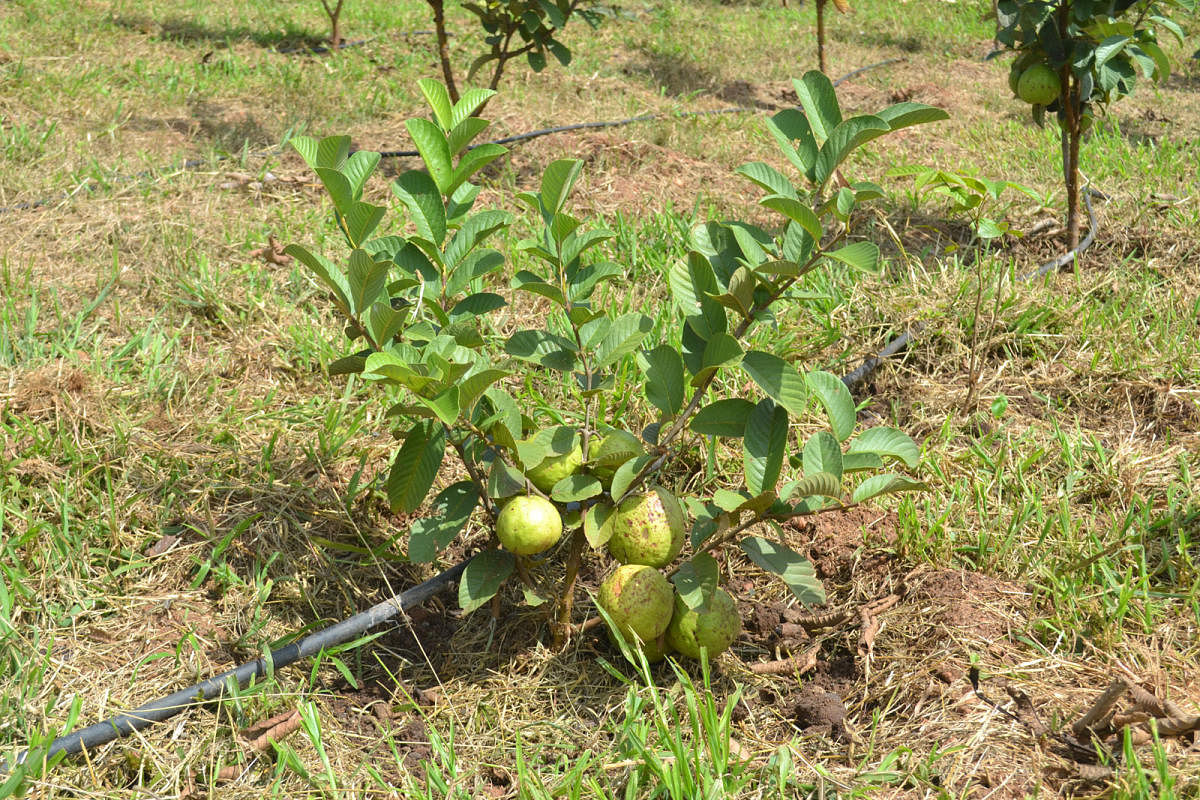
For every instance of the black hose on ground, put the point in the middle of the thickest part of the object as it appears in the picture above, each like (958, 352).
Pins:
(166, 707)
(901, 342)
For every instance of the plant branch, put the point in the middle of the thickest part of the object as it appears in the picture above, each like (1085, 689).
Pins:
(443, 45)
(472, 469)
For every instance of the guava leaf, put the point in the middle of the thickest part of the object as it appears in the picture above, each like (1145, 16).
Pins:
(597, 524)
(483, 577)
(878, 485)
(795, 570)
(822, 453)
(764, 446)
(696, 581)
(574, 488)
(452, 508)
(415, 466)
(890, 442)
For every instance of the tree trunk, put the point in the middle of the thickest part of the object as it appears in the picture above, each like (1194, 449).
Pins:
(443, 43)
(1071, 133)
(821, 35)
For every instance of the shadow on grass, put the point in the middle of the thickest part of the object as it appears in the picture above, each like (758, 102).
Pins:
(188, 31)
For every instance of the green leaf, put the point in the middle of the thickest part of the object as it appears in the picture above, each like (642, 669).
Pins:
(768, 178)
(598, 525)
(663, 369)
(726, 417)
(860, 462)
(329, 152)
(475, 384)
(722, 350)
(439, 100)
(557, 181)
(778, 379)
(452, 508)
(483, 577)
(820, 103)
(504, 481)
(625, 335)
(435, 152)
(476, 305)
(904, 115)
(623, 478)
(696, 581)
(885, 441)
(796, 211)
(844, 139)
(367, 279)
(862, 256)
(764, 446)
(415, 466)
(325, 270)
(887, 483)
(575, 488)
(794, 569)
(822, 453)
(819, 484)
(790, 126)
(1108, 48)
(360, 222)
(463, 132)
(444, 405)
(358, 168)
(544, 348)
(836, 399)
(475, 159)
(420, 195)
(468, 103)
(473, 233)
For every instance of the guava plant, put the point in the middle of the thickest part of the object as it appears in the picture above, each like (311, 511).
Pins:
(1075, 57)
(528, 416)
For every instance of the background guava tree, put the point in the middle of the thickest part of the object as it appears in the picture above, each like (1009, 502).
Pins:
(540, 420)
(1078, 56)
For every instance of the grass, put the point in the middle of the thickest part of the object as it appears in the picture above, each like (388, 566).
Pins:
(156, 381)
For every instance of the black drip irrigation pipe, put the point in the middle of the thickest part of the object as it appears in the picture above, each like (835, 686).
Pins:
(195, 163)
(901, 342)
(166, 707)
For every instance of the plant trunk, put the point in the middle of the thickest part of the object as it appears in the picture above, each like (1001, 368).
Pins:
(1070, 101)
(821, 35)
(443, 45)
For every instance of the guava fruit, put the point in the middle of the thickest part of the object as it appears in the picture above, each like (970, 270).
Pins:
(612, 451)
(648, 529)
(528, 524)
(1019, 65)
(1039, 85)
(639, 600)
(554, 468)
(713, 630)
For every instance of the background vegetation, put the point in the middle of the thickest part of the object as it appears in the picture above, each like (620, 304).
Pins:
(181, 486)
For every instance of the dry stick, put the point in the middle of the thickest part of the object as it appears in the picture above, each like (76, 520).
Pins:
(813, 622)
(285, 727)
(1100, 709)
(1027, 712)
(799, 665)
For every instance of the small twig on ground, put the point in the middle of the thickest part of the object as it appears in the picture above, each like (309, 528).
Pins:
(272, 253)
(828, 619)
(1027, 712)
(869, 617)
(262, 734)
(1101, 708)
(796, 665)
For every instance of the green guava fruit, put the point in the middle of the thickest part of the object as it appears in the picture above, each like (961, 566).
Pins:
(648, 529)
(714, 630)
(528, 524)
(639, 600)
(1019, 65)
(1039, 85)
(612, 451)
(554, 468)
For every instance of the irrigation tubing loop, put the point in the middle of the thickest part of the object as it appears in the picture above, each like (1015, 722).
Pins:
(196, 163)
(166, 707)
